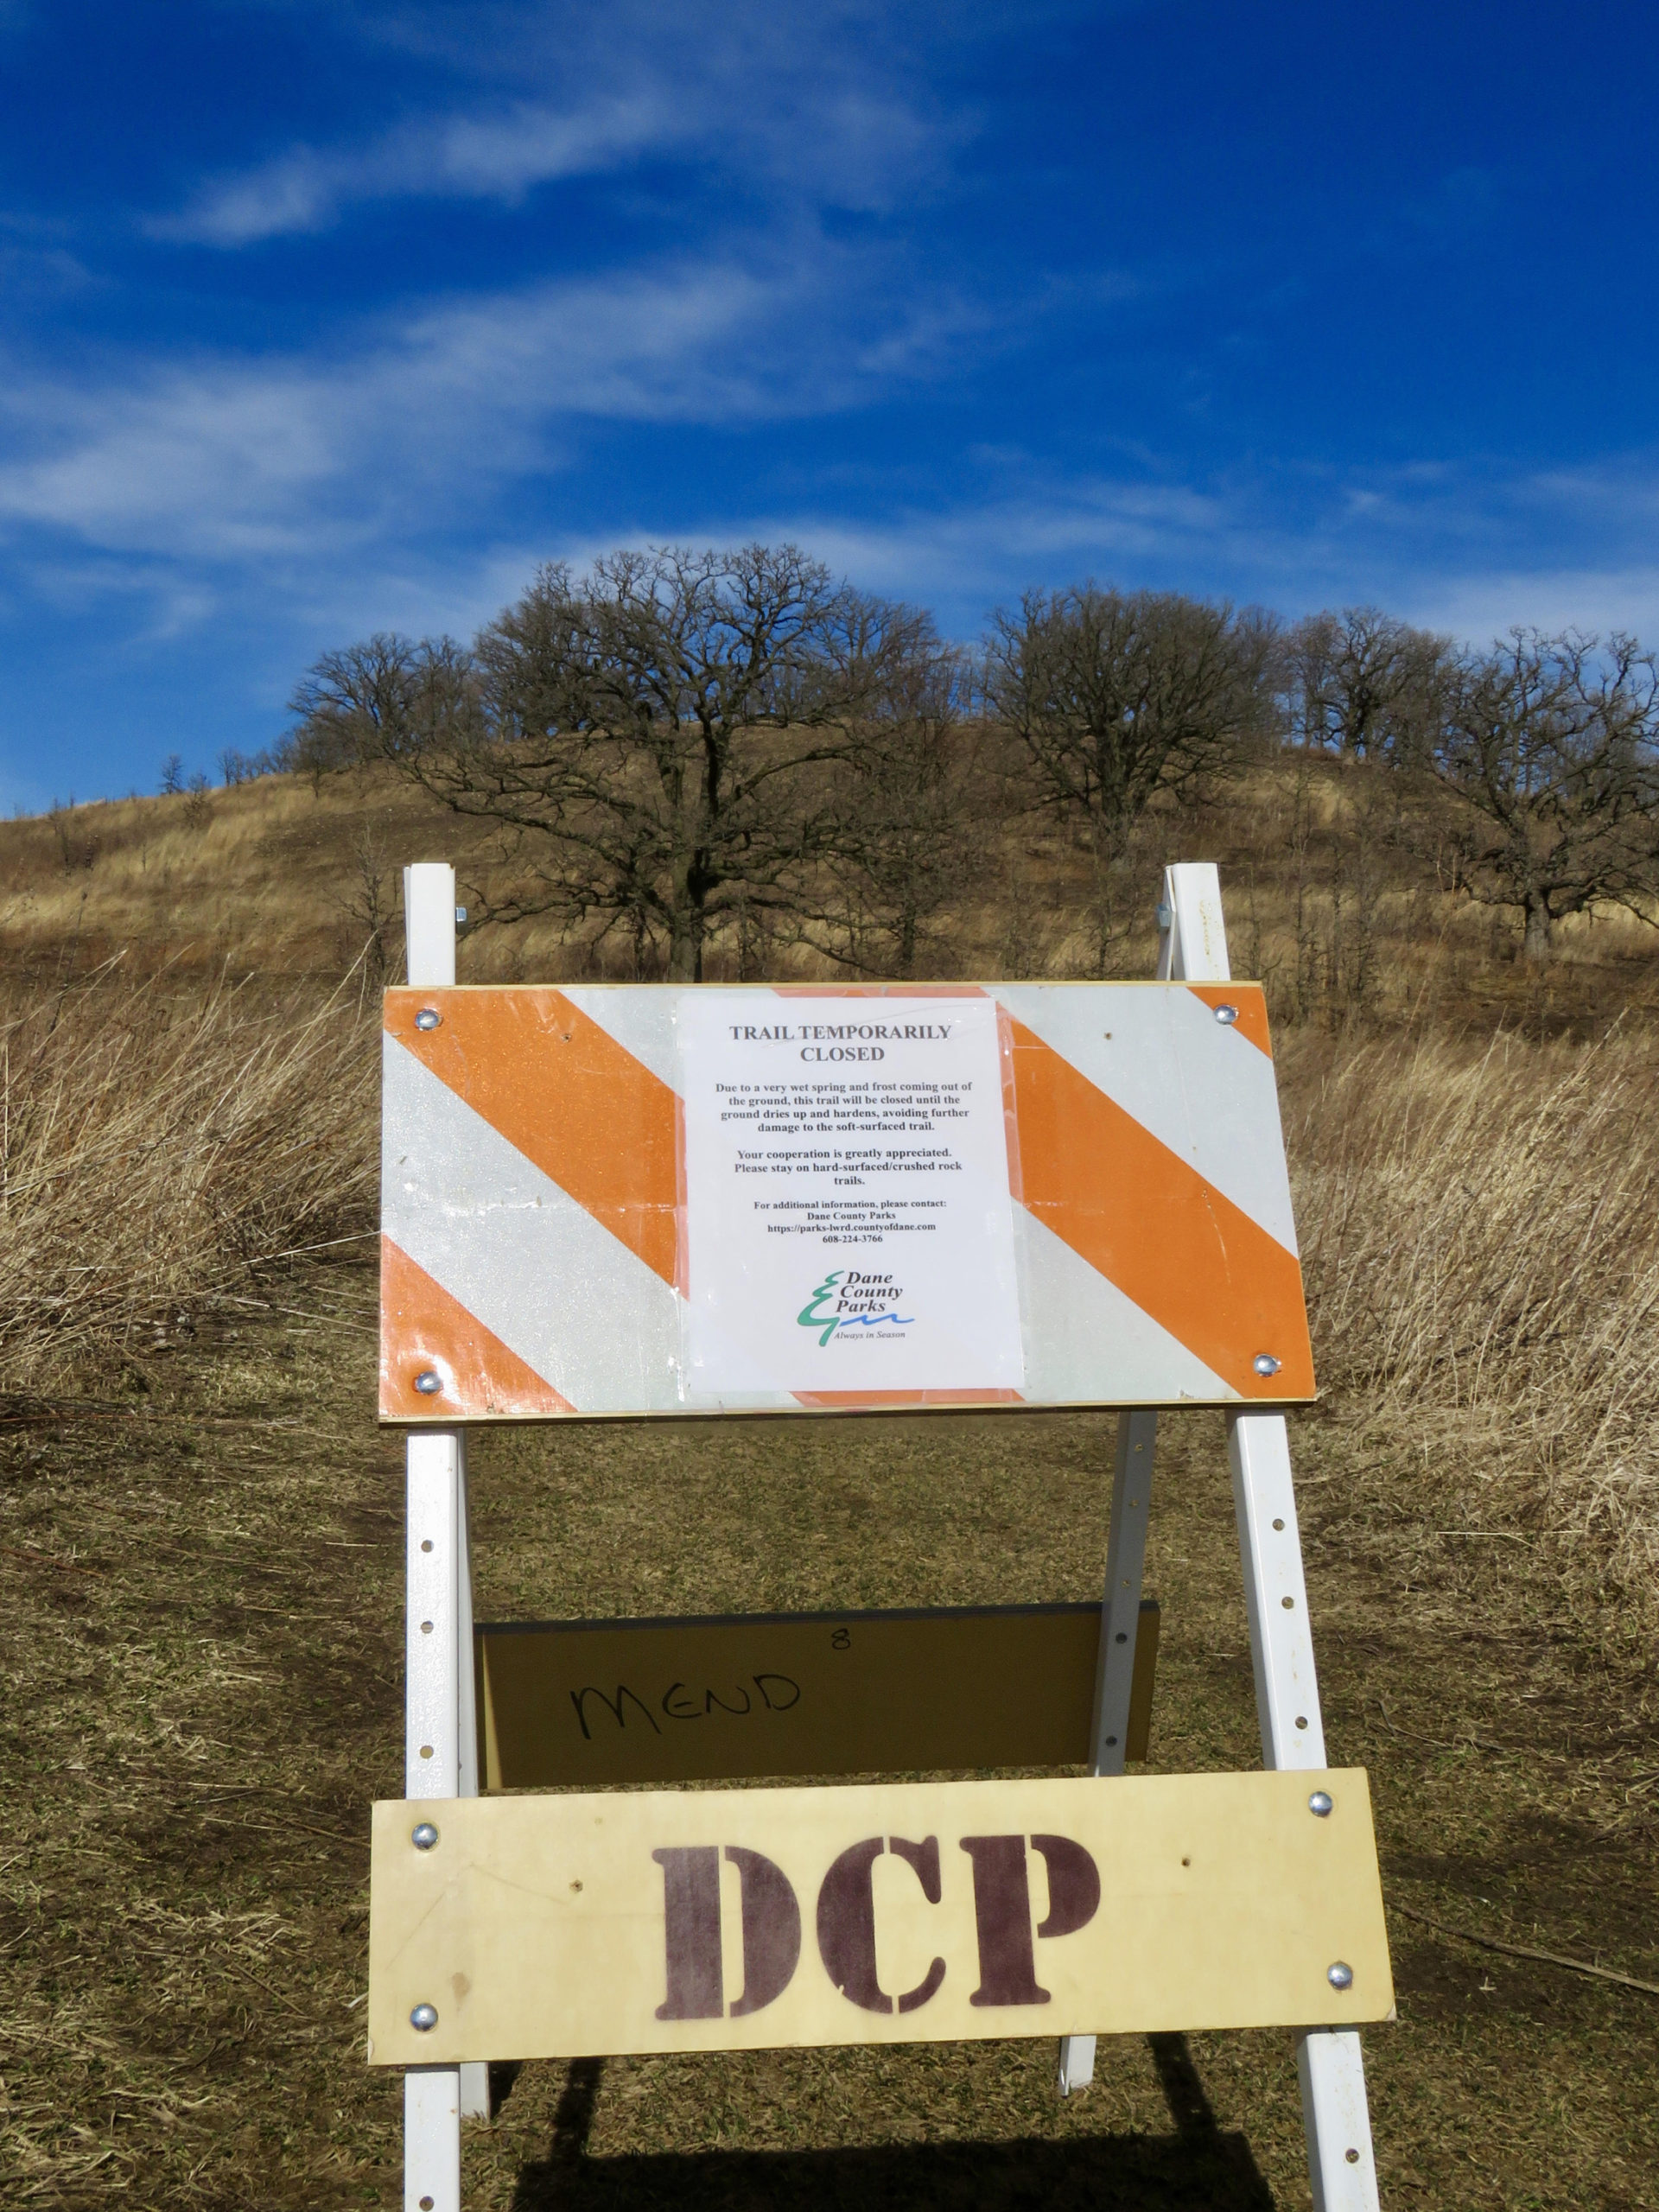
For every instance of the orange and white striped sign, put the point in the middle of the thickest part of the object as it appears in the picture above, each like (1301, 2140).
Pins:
(535, 1257)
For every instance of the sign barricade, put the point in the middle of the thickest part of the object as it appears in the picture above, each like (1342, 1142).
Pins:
(650, 1202)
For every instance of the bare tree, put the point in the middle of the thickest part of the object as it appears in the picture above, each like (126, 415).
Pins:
(198, 802)
(372, 904)
(1551, 747)
(1118, 697)
(913, 808)
(79, 846)
(1363, 684)
(236, 766)
(172, 775)
(659, 740)
(384, 698)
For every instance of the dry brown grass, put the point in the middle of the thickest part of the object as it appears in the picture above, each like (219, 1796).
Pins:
(1480, 1231)
(159, 1146)
(1480, 1226)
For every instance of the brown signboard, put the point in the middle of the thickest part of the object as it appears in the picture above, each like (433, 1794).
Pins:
(891, 1912)
(588, 1704)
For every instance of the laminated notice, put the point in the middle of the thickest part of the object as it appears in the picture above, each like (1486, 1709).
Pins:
(850, 1227)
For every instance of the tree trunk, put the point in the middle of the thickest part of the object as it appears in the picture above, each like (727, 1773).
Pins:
(685, 953)
(1538, 930)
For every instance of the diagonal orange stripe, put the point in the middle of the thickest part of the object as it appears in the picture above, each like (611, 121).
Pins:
(1249, 1002)
(1149, 1222)
(422, 1328)
(568, 1096)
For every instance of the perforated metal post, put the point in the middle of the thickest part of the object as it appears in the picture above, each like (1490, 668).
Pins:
(1192, 948)
(1332, 2072)
(1190, 913)
(1120, 1617)
(1341, 2165)
(440, 1749)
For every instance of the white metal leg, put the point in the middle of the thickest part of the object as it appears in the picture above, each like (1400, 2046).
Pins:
(1340, 2163)
(1120, 1620)
(431, 2140)
(1333, 2071)
(432, 1766)
(1192, 946)
(440, 1737)
(1264, 1498)
(474, 2073)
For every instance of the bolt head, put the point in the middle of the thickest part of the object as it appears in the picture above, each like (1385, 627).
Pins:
(1339, 1976)
(429, 1382)
(1265, 1364)
(424, 2018)
(423, 1836)
(1226, 1016)
(428, 1018)
(1321, 1804)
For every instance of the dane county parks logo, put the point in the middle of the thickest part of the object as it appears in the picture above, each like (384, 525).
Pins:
(848, 1301)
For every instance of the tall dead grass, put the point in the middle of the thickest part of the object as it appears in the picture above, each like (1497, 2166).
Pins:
(1480, 1235)
(1480, 1226)
(160, 1145)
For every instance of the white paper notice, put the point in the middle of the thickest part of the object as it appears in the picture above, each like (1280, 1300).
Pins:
(849, 1222)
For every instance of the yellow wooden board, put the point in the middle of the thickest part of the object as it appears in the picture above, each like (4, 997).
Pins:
(586, 1704)
(886, 1912)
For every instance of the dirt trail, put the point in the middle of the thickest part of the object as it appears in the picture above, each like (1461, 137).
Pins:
(201, 1649)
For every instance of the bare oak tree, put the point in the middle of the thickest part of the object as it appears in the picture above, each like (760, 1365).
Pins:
(1551, 747)
(1363, 684)
(912, 817)
(384, 698)
(658, 741)
(1117, 696)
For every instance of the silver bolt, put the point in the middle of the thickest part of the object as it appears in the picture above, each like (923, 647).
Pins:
(426, 1628)
(428, 1382)
(425, 2016)
(1339, 1976)
(1226, 1016)
(428, 1018)
(1321, 1804)
(424, 1836)
(1265, 1364)
(1164, 916)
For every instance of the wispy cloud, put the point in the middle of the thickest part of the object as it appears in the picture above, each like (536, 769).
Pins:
(781, 96)
(1483, 607)
(462, 156)
(236, 459)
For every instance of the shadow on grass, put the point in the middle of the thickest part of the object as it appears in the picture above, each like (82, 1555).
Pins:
(1197, 2165)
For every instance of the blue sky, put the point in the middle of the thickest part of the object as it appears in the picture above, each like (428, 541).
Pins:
(316, 318)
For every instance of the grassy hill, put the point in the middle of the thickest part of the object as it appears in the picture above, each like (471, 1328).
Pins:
(1341, 917)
